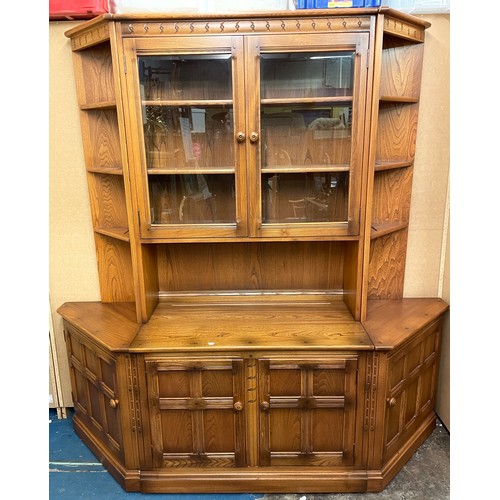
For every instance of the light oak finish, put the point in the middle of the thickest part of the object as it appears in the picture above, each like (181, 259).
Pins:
(252, 336)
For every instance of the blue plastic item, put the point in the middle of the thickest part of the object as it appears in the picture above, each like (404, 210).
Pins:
(323, 4)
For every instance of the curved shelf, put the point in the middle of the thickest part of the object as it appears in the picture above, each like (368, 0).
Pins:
(106, 170)
(382, 228)
(98, 105)
(119, 233)
(397, 99)
(380, 166)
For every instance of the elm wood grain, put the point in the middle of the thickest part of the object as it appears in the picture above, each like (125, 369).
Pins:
(94, 73)
(384, 228)
(411, 388)
(197, 408)
(258, 266)
(391, 323)
(392, 196)
(401, 69)
(248, 327)
(111, 326)
(397, 131)
(387, 266)
(271, 480)
(93, 374)
(380, 166)
(114, 265)
(101, 138)
(107, 197)
(380, 478)
(307, 410)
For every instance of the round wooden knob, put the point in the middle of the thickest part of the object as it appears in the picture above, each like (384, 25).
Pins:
(391, 402)
(113, 403)
(240, 136)
(254, 137)
(264, 406)
(238, 406)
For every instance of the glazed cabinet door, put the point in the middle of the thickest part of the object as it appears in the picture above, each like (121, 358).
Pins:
(187, 135)
(197, 411)
(306, 96)
(307, 410)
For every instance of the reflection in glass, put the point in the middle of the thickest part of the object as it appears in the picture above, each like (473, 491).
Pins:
(185, 77)
(189, 136)
(305, 197)
(306, 74)
(306, 135)
(192, 199)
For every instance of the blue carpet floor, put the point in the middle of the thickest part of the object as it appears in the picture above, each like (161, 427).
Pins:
(74, 472)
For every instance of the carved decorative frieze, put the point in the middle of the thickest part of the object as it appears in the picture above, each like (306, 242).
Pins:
(403, 29)
(245, 26)
(91, 37)
(133, 387)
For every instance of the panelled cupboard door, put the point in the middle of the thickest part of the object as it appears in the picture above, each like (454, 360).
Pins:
(95, 390)
(197, 412)
(411, 387)
(306, 102)
(307, 411)
(186, 102)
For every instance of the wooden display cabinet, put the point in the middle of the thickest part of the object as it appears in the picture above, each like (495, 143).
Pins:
(250, 183)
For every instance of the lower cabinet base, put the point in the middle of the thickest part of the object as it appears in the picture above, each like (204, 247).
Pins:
(256, 479)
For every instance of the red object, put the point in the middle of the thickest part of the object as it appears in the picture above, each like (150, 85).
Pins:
(76, 9)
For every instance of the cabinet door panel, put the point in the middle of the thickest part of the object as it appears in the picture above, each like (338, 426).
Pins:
(411, 387)
(187, 110)
(197, 412)
(306, 128)
(95, 390)
(307, 411)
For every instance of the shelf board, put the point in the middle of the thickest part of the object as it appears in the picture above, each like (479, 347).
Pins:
(298, 169)
(229, 324)
(189, 102)
(383, 228)
(248, 239)
(398, 99)
(389, 165)
(193, 170)
(98, 105)
(106, 170)
(119, 233)
(306, 100)
(391, 323)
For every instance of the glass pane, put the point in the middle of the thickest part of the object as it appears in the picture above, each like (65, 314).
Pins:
(189, 136)
(185, 77)
(306, 135)
(304, 74)
(192, 199)
(305, 197)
